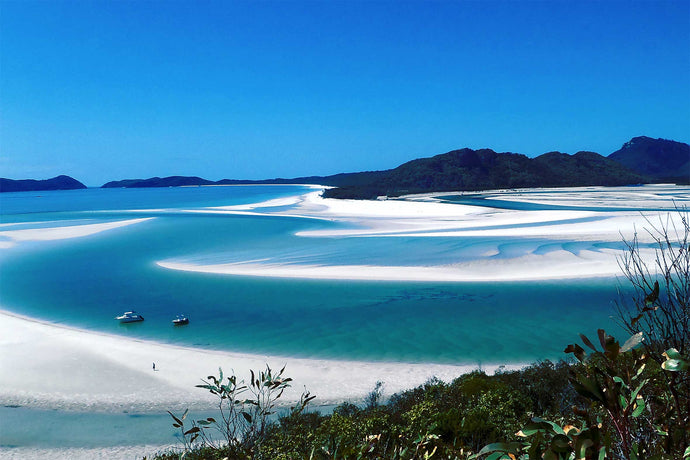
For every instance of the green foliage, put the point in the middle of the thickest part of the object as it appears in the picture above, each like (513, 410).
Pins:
(626, 416)
(659, 308)
(243, 411)
(547, 440)
(546, 386)
(435, 420)
(293, 436)
(373, 399)
(612, 378)
(674, 361)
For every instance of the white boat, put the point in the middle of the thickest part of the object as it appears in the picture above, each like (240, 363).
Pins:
(180, 320)
(129, 317)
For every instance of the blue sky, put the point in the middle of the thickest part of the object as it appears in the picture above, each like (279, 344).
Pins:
(255, 89)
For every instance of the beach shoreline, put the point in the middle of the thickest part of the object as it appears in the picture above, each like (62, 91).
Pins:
(94, 371)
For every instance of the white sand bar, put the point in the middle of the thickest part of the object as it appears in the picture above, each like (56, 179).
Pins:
(55, 367)
(555, 265)
(9, 238)
(539, 240)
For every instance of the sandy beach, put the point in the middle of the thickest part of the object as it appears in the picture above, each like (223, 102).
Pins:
(100, 372)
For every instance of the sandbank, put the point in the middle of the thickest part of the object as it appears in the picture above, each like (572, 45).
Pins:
(555, 265)
(12, 237)
(527, 244)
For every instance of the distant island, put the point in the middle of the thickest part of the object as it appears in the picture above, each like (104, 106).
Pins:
(336, 180)
(30, 185)
(640, 160)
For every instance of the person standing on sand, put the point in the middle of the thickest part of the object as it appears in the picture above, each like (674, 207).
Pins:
(154, 366)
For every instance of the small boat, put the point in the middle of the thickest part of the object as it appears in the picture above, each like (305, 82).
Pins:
(180, 320)
(129, 317)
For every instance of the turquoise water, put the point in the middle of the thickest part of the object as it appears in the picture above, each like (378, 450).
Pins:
(69, 429)
(60, 429)
(86, 281)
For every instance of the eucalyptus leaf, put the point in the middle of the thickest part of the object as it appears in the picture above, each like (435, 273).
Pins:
(587, 342)
(674, 365)
(639, 409)
(632, 342)
(673, 354)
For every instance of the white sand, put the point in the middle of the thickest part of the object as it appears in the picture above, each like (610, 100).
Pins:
(51, 366)
(82, 453)
(13, 237)
(554, 265)
(424, 216)
(286, 201)
(660, 196)
(398, 217)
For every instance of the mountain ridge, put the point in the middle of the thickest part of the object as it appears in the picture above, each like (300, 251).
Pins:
(485, 169)
(640, 160)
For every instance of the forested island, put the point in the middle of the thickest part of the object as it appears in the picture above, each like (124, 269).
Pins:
(28, 185)
(640, 160)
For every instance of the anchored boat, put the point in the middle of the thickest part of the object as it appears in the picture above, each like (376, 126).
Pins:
(180, 320)
(129, 317)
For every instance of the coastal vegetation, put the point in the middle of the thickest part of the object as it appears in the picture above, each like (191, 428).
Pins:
(607, 401)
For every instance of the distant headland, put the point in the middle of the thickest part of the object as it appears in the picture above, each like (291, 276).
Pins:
(30, 185)
(640, 160)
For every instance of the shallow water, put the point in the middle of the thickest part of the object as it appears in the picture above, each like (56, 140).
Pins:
(61, 429)
(87, 281)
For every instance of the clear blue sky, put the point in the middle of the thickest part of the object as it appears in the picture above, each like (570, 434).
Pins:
(255, 89)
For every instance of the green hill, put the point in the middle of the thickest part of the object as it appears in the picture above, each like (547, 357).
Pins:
(485, 169)
(659, 159)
